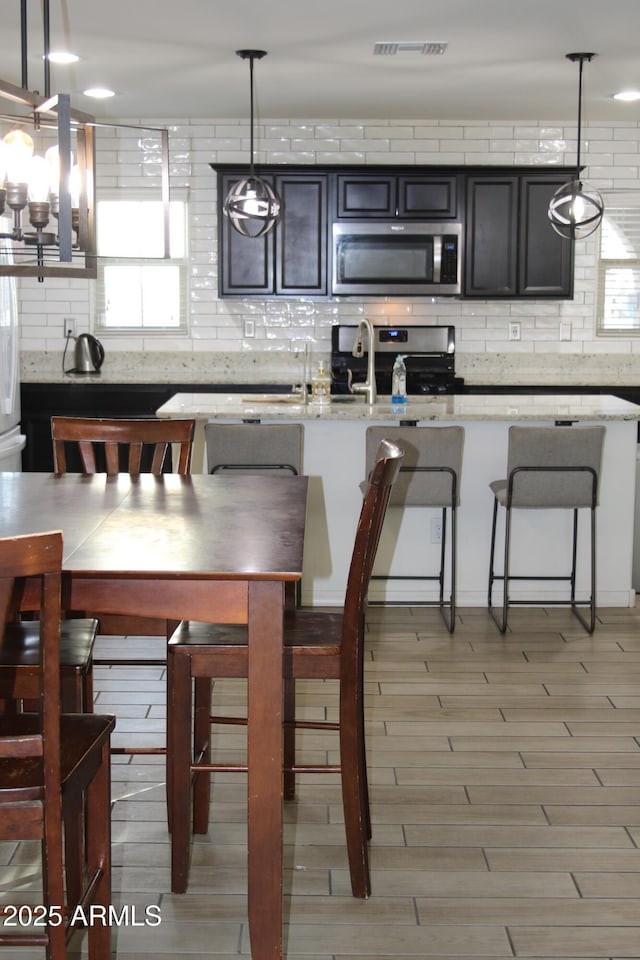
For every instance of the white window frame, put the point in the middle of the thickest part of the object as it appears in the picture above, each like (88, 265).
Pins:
(144, 263)
(619, 267)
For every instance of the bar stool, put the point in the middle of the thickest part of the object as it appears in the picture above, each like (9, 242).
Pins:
(548, 468)
(254, 447)
(429, 477)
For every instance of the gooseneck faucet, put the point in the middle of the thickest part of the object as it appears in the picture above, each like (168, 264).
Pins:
(368, 388)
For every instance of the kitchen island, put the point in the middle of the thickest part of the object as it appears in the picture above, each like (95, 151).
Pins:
(334, 460)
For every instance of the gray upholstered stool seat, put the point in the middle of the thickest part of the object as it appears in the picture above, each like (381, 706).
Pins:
(254, 447)
(429, 477)
(548, 468)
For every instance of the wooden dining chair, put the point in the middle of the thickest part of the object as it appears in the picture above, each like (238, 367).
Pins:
(318, 645)
(131, 446)
(51, 763)
(19, 651)
(119, 445)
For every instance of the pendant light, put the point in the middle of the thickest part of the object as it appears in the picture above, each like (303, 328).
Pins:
(252, 205)
(576, 208)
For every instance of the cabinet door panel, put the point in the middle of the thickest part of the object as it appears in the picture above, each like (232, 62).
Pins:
(246, 263)
(428, 197)
(491, 235)
(363, 196)
(301, 236)
(546, 259)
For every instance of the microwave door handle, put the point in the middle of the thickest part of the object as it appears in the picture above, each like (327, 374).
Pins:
(437, 258)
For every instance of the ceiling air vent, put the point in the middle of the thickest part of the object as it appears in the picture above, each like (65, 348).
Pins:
(430, 48)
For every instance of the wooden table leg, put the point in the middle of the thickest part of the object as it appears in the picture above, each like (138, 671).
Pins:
(265, 758)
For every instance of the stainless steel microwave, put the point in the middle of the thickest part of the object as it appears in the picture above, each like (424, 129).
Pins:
(396, 258)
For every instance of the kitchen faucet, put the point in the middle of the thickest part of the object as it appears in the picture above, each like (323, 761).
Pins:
(368, 388)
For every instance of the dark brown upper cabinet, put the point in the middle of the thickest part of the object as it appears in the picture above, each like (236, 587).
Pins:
(511, 249)
(291, 260)
(362, 196)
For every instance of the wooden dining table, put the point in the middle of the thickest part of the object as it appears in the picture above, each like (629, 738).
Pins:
(212, 548)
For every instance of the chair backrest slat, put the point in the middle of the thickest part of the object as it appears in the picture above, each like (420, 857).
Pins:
(39, 557)
(135, 435)
(374, 508)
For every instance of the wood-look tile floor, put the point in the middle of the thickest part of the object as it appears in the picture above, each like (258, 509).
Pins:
(505, 781)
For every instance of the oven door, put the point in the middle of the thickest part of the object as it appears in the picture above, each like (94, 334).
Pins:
(395, 259)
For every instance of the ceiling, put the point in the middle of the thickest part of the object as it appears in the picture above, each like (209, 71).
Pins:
(176, 58)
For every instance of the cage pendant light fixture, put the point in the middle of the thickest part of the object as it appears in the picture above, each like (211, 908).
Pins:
(252, 205)
(47, 202)
(576, 208)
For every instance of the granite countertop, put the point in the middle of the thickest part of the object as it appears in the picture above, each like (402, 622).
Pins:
(286, 368)
(221, 406)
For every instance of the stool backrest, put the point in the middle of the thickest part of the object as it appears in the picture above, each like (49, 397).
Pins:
(554, 466)
(432, 465)
(116, 435)
(254, 447)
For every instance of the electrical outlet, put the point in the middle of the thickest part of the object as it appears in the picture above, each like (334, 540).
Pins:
(436, 530)
(565, 331)
(69, 326)
(249, 328)
(514, 330)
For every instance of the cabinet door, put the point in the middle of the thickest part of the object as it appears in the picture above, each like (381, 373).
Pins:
(301, 235)
(546, 259)
(367, 196)
(491, 237)
(429, 197)
(245, 263)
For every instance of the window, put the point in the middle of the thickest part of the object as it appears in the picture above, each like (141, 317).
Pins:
(136, 290)
(619, 268)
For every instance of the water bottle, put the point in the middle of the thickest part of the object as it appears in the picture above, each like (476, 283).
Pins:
(399, 381)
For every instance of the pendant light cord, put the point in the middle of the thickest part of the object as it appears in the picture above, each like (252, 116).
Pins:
(23, 44)
(580, 58)
(579, 117)
(251, 59)
(46, 29)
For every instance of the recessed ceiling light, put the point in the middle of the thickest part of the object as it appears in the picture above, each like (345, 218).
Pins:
(628, 95)
(62, 56)
(389, 48)
(99, 93)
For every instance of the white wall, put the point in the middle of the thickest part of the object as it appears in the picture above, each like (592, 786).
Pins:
(612, 155)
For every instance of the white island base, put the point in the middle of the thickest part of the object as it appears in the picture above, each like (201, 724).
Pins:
(334, 459)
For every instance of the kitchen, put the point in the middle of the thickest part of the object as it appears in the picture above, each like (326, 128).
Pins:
(267, 342)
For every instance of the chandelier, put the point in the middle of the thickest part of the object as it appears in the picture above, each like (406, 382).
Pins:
(576, 208)
(47, 178)
(252, 205)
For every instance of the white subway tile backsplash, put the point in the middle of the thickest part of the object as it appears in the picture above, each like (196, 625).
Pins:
(612, 156)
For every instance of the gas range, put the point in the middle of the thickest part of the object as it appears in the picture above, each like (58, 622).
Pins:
(429, 358)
